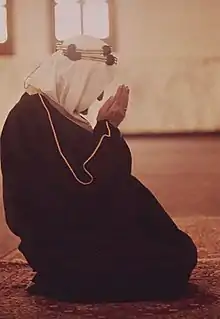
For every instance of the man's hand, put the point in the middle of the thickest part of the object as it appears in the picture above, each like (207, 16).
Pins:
(114, 109)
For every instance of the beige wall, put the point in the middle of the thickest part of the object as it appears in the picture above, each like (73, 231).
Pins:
(32, 43)
(168, 50)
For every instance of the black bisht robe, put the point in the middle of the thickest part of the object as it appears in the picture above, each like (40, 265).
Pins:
(111, 233)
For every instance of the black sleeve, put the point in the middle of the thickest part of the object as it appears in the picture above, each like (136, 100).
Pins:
(93, 160)
(108, 158)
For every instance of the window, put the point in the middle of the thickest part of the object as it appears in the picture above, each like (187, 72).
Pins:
(3, 22)
(5, 27)
(91, 17)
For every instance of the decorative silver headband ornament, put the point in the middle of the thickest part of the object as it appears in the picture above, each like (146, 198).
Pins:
(105, 55)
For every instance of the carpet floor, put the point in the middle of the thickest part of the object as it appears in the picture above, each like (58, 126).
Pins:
(203, 300)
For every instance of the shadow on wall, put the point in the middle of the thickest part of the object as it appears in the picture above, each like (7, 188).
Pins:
(170, 95)
(167, 94)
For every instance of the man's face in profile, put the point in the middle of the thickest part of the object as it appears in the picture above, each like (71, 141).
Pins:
(99, 98)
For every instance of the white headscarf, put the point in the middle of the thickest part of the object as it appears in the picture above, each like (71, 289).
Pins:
(72, 85)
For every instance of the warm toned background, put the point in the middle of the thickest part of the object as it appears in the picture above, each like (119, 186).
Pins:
(169, 55)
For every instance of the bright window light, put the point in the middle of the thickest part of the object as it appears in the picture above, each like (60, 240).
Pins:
(3, 22)
(73, 17)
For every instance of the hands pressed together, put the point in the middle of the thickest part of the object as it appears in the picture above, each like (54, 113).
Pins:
(114, 109)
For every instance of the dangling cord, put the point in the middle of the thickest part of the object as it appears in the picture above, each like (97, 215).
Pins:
(63, 156)
(28, 77)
